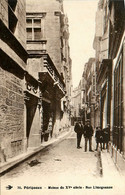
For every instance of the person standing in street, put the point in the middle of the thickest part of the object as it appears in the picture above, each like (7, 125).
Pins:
(106, 136)
(98, 137)
(88, 133)
(79, 131)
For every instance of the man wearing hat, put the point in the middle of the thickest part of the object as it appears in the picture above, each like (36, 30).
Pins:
(88, 133)
(79, 130)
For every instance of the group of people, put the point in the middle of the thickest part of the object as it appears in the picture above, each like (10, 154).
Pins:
(86, 131)
(101, 136)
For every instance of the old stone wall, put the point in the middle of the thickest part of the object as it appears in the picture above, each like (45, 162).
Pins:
(51, 27)
(52, 32)
(11, 114)
(20, 31)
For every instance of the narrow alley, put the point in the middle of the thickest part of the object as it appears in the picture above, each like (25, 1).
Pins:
(61, 168)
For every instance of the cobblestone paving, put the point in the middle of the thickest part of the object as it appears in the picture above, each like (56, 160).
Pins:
(62, 169)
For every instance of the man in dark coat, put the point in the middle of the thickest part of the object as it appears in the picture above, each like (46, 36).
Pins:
(79, 131)
(98, 137)
(106, 136)
(88, 133)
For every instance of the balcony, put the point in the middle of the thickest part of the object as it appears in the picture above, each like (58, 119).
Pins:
(50, 75)
(36, 47)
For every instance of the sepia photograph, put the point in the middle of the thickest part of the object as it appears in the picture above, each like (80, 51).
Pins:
(62, 97)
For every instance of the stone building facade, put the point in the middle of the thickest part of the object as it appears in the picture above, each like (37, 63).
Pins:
(13, 57)
(77, 101)
(49, 61)
(50, 27)
(34, 52)
(84, 96)
(67, 74)
(89, 90)
(110, 56)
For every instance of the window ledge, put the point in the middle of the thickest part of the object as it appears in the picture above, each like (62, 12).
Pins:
(37, 41)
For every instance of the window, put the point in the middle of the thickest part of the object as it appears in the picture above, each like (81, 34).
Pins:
(29, 22)
(37, 33)
(29, 33)
(118, 104)
(37, 23)
(34, 31)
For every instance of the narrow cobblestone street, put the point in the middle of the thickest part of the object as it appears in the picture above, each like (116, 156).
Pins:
(62, 77)
(62, 169)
